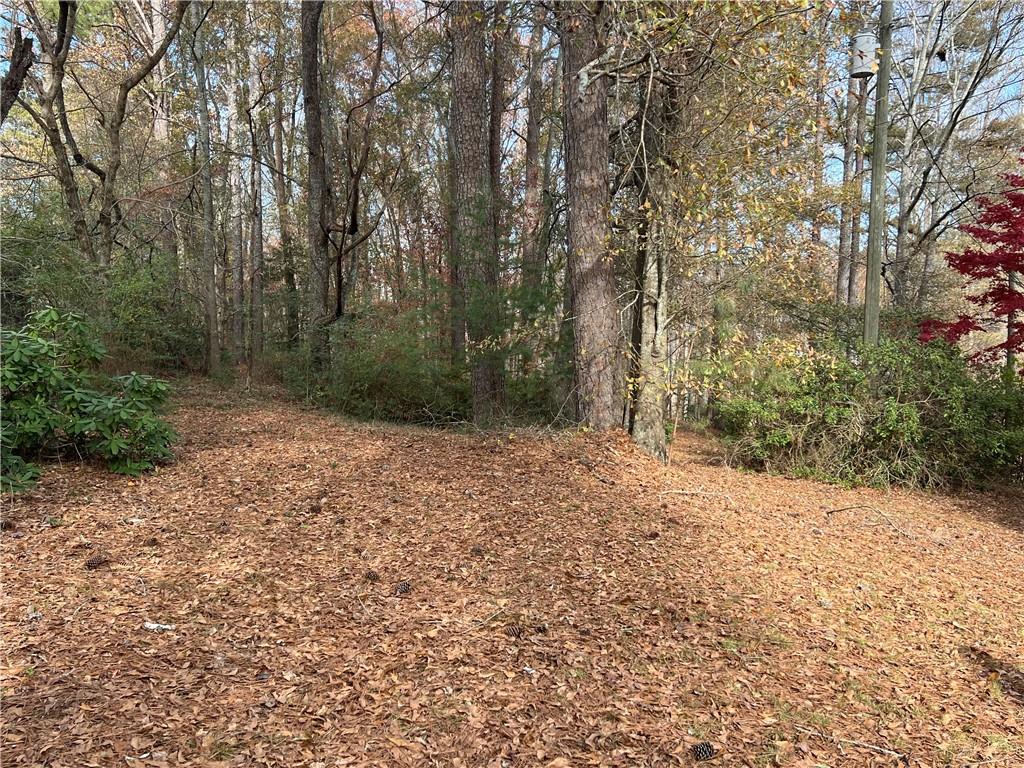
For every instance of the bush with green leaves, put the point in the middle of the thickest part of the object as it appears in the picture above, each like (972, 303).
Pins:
(383, 368)
(54, 404)
(900, 413)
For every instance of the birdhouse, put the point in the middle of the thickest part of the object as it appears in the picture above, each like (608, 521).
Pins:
(862, 54)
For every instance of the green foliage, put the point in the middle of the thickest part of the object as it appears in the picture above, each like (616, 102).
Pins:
(52, 403)
(899, 414)
(138, 306)
(148, 322)
(382, 367)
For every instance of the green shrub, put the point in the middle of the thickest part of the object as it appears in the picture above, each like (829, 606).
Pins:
(53, 404)
(897, 414)
(383, 366)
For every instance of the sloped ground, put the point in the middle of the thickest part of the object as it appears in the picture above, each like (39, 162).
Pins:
(570, 603)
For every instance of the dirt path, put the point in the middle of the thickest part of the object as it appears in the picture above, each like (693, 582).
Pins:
(570, 603)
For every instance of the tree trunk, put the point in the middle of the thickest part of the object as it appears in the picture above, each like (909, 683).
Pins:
(500, 31)
(533, 263)
(256, 187)
(205, 157)
(846, 209)
(651, 383)
(474, 231)
(236, 239)
(456, 291)
(162, 133)
(594, 311)
(854, 292)
(55, 53)
(318, 283)
(282, 195)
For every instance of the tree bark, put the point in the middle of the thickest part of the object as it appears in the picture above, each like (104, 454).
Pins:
(206, 174)
(256, 190)
(595, 316)
(456, 290)
(854, 292)
(473, 197)
(846, 209)
(533, 258)
(318, 283)
(650, 379)
(56, 50)
(234, 160)
(20, 63)
(283, 198)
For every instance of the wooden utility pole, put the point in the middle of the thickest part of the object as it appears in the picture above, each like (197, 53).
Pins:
(879, 141)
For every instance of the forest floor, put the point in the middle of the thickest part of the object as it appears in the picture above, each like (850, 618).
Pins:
(570, 603)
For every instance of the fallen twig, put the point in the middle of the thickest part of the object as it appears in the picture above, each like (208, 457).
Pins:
(877, 511)
(482, 622)
(853, 742)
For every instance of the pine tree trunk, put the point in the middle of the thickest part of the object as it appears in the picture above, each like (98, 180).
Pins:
(594, 310)
(474, 207)
(456, 291)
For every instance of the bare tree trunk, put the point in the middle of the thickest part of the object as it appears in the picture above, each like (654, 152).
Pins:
(234, 159)
(533, 265)
(594, 311)
(282, 195)
(456, 290)
(206, 174)
(846, 209)
(162, 133)
(256, 187)
(1015, 286)
(500, 31)
(474, 206)
(318, 283)
(647, 422)
(854, 291)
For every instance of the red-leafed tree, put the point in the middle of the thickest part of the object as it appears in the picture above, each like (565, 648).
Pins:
(995, 263)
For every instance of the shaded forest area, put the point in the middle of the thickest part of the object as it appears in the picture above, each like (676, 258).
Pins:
(611, 214)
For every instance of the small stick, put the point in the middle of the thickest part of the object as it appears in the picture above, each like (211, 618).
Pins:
(853, 742)
(877, 511)
(482, 622)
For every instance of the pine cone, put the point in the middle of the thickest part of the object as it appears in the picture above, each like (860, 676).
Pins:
(403, 588)
(97, 561)
(702, 751)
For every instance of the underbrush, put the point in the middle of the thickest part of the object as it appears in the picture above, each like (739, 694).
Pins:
(901, 414)
(384, 366)
(381, 367)
(54, 403)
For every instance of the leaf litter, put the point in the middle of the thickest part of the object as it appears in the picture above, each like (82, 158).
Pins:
(297, 590)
